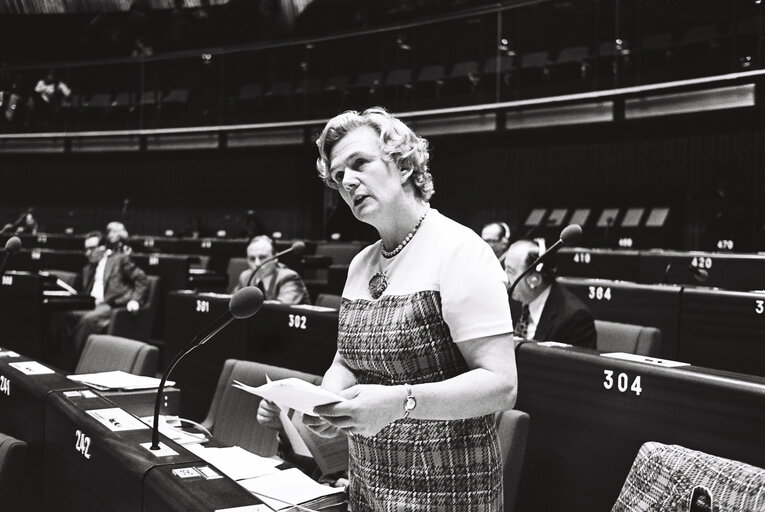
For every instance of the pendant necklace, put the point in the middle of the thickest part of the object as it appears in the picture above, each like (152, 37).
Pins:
(379, 281)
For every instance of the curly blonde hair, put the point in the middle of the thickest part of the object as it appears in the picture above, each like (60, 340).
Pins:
(398, 144)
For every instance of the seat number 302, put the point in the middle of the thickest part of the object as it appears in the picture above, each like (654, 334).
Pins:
(297, 321)
(621, 382)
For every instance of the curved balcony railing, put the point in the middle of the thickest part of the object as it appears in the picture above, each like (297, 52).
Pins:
(499, 54)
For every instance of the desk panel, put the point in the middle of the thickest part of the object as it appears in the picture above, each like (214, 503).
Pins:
(91, 467)
(617, 301)
(44, 259)
(724, 270)
(598, 263)
(25, 313)
(722, 329)
(166, 491)
(296, 337)
(302, 338)
(22, 415)
(187, 314)
(584, 437)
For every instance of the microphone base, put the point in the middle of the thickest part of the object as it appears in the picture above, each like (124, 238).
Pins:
(162, 451)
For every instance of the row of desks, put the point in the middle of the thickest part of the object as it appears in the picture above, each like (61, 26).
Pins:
(721, 270)
(78, 463)
(702, 326)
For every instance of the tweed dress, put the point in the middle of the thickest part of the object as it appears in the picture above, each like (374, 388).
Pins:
(408, 336)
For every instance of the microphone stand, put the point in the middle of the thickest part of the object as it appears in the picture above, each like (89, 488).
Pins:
(198, 341)
(569, 235)
(272, 258)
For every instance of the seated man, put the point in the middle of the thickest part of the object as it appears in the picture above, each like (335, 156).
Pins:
(497, 235)
(542, 309)
(276, 280)
(114, 281)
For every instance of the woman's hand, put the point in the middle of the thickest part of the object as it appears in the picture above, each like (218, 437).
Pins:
(319, 427)
(268, 415)
(368, 409)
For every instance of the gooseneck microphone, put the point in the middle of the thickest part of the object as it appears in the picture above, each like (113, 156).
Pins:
(16, 224)
(243, 304)
(298, 247)
(568, 236)
(12, 246)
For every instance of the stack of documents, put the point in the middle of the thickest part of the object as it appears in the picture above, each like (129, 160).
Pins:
(285, 489)
(118, 380)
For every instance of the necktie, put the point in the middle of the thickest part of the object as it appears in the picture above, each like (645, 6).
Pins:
(522, 325)
(262, 287)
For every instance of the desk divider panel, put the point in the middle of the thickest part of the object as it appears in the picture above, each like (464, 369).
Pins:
(641, 304)
(590, 415)
(22, 415)
(187, 314)
(723, 270)
(598, 263)
(92, 467)
(723, 329)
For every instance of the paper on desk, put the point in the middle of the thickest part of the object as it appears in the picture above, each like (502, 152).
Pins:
(118, 380)
(176, 434)
(293, 393)
(311, 307)
(31, 368)
(667, 363)
(117, 419)
(236, 462)
(280, 490)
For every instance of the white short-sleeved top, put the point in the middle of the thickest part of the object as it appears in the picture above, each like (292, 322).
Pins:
(451, 259)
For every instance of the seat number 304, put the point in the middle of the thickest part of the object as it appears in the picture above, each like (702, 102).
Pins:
(621, 382)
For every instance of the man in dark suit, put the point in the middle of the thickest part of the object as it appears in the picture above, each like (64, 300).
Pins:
(542, 309)
(276, 280)
(114, 281)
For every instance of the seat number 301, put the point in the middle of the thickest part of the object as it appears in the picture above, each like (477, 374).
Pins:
(621, 382)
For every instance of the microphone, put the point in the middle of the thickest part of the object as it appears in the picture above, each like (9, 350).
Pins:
(12, 246)
(16, 224)
(568, 236)
(700, 275)
(298, 247)
(243, 304)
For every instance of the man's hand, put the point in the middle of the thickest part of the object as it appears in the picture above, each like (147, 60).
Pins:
(268, 415)
(133, 306)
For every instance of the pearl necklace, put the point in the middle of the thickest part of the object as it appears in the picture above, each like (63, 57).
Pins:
(379, 281)
(407, 238)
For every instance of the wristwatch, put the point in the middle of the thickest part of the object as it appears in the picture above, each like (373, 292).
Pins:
(409, 402)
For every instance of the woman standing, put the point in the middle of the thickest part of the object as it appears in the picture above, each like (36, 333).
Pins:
(425, 353)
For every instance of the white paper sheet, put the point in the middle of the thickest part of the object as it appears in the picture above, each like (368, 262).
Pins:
(291, 486)
(236, 462)
(293, 393)
(667, 363)
(118, 380)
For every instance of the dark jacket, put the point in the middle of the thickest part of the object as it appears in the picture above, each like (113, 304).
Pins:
(123, 280)
(564, 318)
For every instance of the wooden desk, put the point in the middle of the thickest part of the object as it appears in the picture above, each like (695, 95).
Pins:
(292, 337)
(641, 304)
(588, 421)
(92, 467)
(25, 312)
